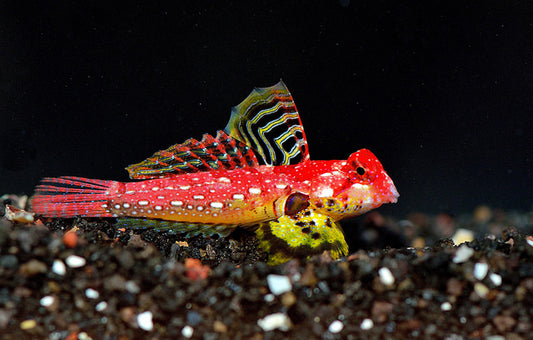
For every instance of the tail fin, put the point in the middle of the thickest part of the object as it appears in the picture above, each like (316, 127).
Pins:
(74, 196)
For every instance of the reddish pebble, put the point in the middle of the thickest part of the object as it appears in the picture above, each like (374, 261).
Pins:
(70, 239)
(195, 270)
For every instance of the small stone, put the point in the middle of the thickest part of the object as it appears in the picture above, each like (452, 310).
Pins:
(367, 324)
(144, 320)
(463, 235)
(275, 321)
(496, 279)
(385, 276)
(529, 240)
(446, 306)
(480, 270)
(504, 323)
(132, 287)
(28, 324)
(279, 284)
(269, 297)
(100, 306)
(75, 261)
(220, 327)
(481, 290)
(33, 267)
(47, 301)
(463, 254)
(91, 293)
(288, 299)
(335, 327)
(187, 331)
(59, 268)
(194, 318)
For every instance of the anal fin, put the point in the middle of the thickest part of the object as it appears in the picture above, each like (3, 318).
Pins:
(187, 229)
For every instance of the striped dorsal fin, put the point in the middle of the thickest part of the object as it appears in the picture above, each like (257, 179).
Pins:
(220, 152)
(269, 123)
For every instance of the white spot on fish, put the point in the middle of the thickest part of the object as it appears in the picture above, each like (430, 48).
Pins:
(155, 188)
(169, 188)
(238, 196)
(199, 208)
(326, 192)
(161, 197)
(189, 207)
(326, 174)
(255, 191)
(224, 180)
(126, 205)
(143, 202)
(218, 205)
(130, 192)
(176, 203)
(117, 206)
(158, 207)
(281, 186)
(267, 181)
(185, 187)
(198, 197)
(195, 179)
(212, 190)
(104, 206)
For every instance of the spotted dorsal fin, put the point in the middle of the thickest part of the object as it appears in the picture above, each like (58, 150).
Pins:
(220, 152)
(269, 123)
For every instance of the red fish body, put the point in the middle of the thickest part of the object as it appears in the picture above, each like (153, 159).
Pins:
(218, 181)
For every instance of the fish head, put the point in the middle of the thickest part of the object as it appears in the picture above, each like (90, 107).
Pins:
(364, 185)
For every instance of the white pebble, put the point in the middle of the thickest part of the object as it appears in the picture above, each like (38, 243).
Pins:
(47, 301)
(496, 279)
(144, 320)
(529, 241)
(367, 324)
(275, 321)
(59, 267)
(446, 306)
(463, 254)
(100, 306)
(335, 327)
(187, 331)
(91, 293)
(269, 297)
(132, 287)
(279, 284)
(385, 276)
(480, 270)
(75, 261)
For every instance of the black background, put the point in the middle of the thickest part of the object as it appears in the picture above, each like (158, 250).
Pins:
(440, 91)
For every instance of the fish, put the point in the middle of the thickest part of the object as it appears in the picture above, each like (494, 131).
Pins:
(255, 174)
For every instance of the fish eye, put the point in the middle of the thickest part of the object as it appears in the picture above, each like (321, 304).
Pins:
(360, 170)
(295, 203)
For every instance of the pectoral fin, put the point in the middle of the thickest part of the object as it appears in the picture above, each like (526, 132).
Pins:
(302, 235)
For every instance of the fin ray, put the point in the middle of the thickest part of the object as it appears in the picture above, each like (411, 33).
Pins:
(220, 152)
(187, 229)
(268, 122)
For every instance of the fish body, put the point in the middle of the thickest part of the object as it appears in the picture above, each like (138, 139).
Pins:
(254, 174)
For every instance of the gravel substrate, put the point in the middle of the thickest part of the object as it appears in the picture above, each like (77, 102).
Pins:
(83, 278)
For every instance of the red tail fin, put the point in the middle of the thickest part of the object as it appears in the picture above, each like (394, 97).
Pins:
(74, 196)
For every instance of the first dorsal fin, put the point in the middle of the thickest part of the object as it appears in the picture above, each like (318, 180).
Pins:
(220, 152)
(269, 123)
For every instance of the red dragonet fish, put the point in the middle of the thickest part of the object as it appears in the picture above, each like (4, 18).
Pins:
(255, 174)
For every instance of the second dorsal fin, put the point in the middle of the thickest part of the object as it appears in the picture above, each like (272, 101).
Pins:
(220, 152)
